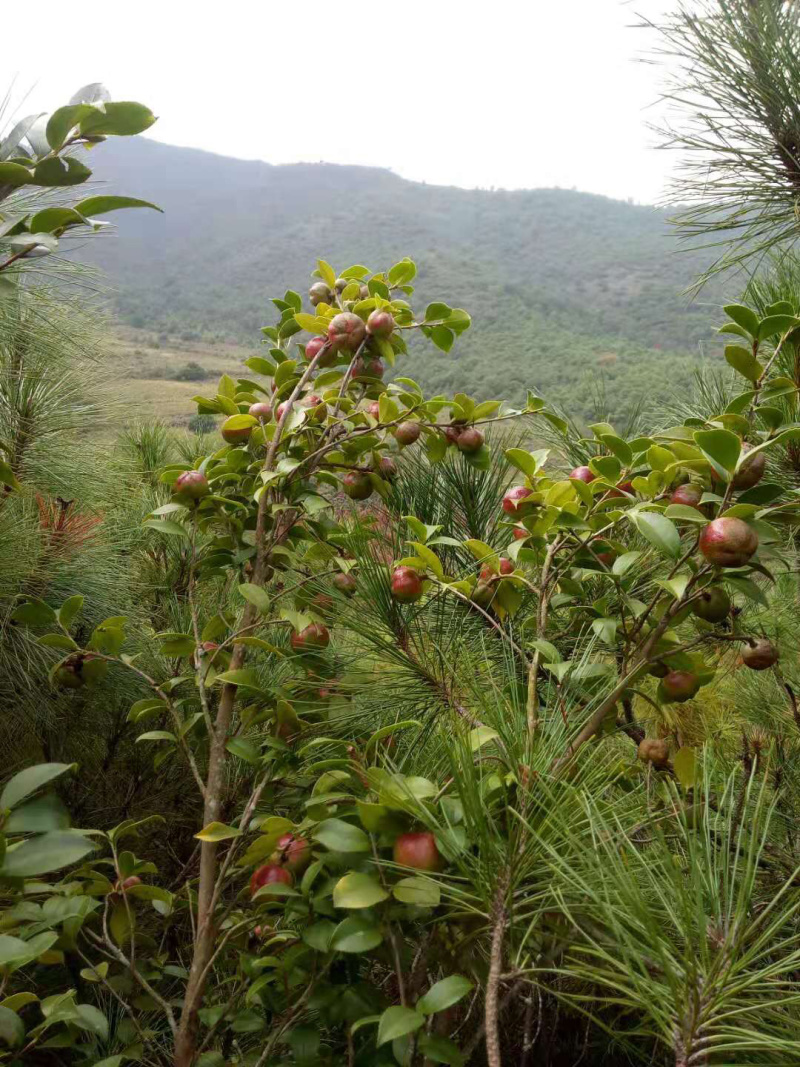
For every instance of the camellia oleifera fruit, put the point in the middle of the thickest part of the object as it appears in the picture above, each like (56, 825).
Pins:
(346, 331)
(313, 638)
(192, 484)
(582, 474)
(688, 495)
(293, 853)
(380, 324)
(269, 874)
(345, 583)
(653, 750)
(712, 605)
(679, 686)
(260, 410)
(728, 542)
(357, 485)
(514, 499)
(406, 584)
(418, 851)
(320, 293)
(752, 469)
(469, 440)
(236, 435)
(760, 654)
(407, 433)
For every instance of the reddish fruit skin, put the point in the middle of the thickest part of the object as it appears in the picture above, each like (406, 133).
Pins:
(679, 686)
(452, 434)
(689, 495)
(469, 440)
(346, 331)
(728, 542)
(406, 585)
(269, 874)
(582, 474)
(760, 656)
(626, 487)
(607, 557)
(713, 605)
(752, 470)
(653, 750)
(514, 498)
(380, 324)
(260, 410)
(520, 535)
(407, 433)
(293, 853)
(314, 347)
(279, 410)
(314, 637)
(387, 468)
(313, 401)
(357, 485)
(318, 293)
(369, 368)
(506, 566)
(345, 583)
(418, 851)
(193, 484)
(322, 602)
(237, 437)
(130, 882)
(373, 409)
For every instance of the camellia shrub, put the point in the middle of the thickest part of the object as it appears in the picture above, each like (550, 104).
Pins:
(427, 678)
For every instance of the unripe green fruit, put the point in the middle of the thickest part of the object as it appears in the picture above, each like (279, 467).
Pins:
(713, 604)
(653, 750)
(68, 674)
(728, 542)
(406, 585)
(357, 485)
(483, 594)
(407, 433)
(760, 655)
(192, 484)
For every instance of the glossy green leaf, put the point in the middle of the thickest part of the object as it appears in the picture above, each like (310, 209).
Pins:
(46, 853)
(356, 934)
(30, 780)
(340, 836)
(444, 994)
(358, 891)
(398, 1021)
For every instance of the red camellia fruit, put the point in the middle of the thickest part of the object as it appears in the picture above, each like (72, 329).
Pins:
(368, 368)
(469, 440)
(346, 331)
(314, 347)
(192, 484)
(520, 533)
(728, 542)
(279, 410)
(373, 408)
(712, 605)
(312, 639)
(380, 324)
(514, 499)
(407, 433)
(406, 584)
(506, 566)
(679, 686)
(623, 488)
(582, 474)
(418, 851)
(269, 874)
(237, 436)
(293, 853)
(344, 583)
(452, 434)
(260, 410)
(760, 655)
(387, 468)
(689, 495)
(357, 485)
(653, 750)
(319, 293)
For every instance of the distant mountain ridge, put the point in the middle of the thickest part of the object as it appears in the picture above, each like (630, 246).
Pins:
(566, 289)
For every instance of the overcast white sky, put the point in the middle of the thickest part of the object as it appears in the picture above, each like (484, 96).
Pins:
(507, 93)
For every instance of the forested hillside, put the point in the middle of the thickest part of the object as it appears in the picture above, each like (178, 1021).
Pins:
(569, 292)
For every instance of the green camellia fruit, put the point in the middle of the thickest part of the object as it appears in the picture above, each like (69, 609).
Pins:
(357, 485)
(728, 542)
(713, 604)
